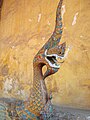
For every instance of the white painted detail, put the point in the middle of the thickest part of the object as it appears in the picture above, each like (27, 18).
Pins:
(51, 54)
(45, 52)
(55, 65)
(63, 11)
(75, 18)
(66, 53)
(52, 65)
(39, 17)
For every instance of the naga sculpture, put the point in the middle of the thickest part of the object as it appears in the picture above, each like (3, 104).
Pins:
(11, 109)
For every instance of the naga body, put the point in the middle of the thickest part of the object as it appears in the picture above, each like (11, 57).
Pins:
(12, 109)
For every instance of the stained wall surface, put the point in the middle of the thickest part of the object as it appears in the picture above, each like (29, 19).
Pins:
(25, 26)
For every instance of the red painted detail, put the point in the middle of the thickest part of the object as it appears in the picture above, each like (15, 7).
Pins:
(39, 57)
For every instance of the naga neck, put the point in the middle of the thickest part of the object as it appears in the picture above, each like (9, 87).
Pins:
(39, 93)
(39, 83)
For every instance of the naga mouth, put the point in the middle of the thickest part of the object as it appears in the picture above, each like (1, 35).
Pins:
(53, 60)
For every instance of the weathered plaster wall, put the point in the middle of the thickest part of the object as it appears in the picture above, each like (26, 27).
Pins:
(24, 27)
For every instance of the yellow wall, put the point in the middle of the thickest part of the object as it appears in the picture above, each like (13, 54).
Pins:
(24, 27)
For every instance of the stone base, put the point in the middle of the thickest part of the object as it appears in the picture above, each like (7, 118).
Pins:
(64, 113)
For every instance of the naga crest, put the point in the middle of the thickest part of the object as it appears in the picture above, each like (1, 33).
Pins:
(52, 50)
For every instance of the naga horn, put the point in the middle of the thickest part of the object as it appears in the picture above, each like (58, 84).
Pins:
(57, 34)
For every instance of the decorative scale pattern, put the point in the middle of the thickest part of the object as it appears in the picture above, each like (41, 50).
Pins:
(31, 109)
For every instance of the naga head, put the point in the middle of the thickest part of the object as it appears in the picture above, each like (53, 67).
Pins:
(52, 55)
(52, 50)
(49, 57)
